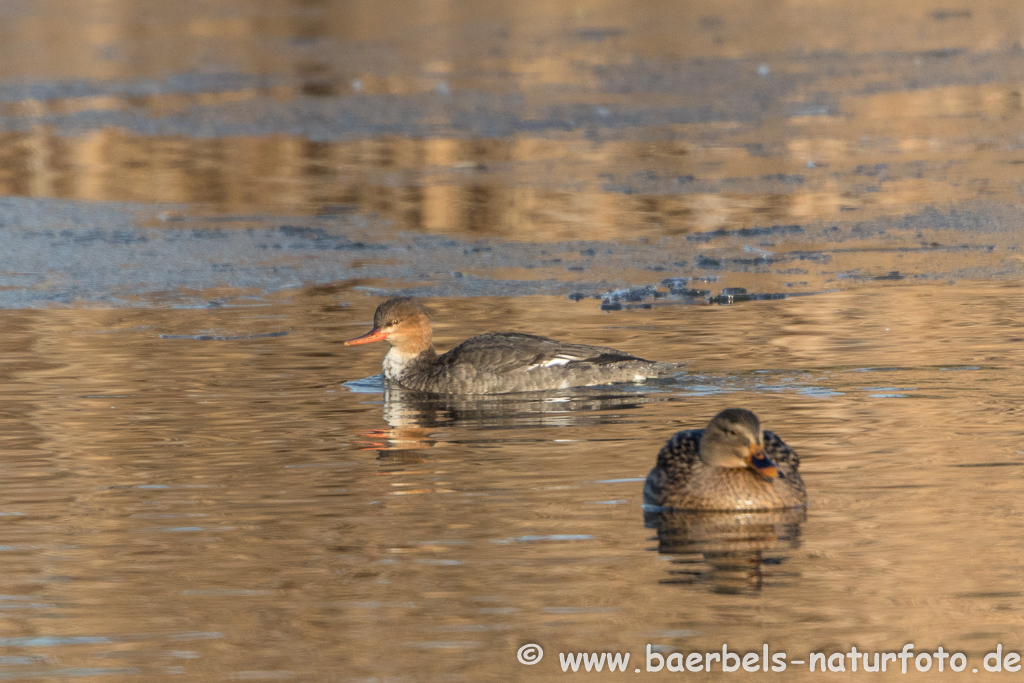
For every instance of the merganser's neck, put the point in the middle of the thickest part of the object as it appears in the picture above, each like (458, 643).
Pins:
(399, 362)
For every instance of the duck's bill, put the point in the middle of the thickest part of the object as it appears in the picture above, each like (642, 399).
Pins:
(761, 463)
(376, 334)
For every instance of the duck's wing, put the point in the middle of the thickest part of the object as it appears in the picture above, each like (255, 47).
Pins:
(504, 352)
(681, 452)
(676, 461)
(778, 451)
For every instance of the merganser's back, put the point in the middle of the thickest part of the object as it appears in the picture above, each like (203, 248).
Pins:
(496, 362)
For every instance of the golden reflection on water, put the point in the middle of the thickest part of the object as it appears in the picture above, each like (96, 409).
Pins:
(219, 498)
(187, 496)
(536, 189)
(878, 138)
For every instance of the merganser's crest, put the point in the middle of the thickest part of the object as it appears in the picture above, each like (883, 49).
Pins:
(494, 363)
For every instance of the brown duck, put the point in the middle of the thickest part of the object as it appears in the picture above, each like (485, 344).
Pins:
(732, 464)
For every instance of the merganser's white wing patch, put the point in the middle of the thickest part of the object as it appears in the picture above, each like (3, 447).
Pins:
(557, 361)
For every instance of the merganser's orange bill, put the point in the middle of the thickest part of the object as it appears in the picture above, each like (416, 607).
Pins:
(376, 334)
(759, 461)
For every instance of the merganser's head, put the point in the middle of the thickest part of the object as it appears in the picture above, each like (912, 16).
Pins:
(402, 323)
(734, 439)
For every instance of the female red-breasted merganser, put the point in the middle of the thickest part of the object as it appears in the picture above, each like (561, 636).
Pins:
(496, 362)
(729, 465)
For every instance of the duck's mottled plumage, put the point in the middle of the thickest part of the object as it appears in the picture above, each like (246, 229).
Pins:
(683, 479)
(495, 362)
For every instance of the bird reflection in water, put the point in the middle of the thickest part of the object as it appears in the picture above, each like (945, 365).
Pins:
(730, 552)
(415, 418)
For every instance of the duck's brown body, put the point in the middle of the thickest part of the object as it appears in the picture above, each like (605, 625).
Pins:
(681, 479)
(496, 362)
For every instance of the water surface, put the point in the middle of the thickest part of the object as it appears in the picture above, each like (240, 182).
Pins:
(223, 503)
(817, 206)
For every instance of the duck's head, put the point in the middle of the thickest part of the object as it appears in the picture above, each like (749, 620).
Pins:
(734, 439)
(402, 323)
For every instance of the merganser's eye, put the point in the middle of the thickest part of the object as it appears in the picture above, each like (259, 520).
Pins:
(394, 322)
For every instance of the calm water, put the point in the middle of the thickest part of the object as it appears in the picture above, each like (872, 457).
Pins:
(817, 205)
(222, 508)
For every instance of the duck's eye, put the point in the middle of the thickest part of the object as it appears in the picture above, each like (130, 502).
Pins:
(394, 322)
